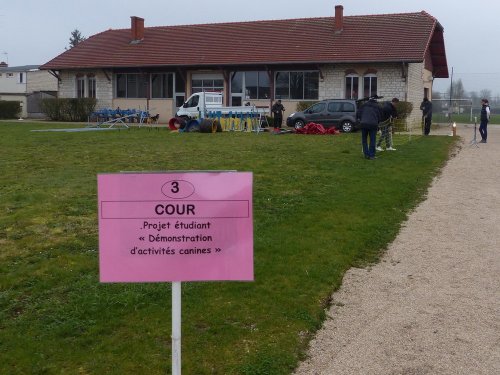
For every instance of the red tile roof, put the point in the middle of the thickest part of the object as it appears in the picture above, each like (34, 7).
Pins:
(373, 38)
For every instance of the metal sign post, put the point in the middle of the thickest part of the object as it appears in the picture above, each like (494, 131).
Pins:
(176, 328)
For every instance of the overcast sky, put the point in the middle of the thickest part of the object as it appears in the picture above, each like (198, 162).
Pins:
(33, 32)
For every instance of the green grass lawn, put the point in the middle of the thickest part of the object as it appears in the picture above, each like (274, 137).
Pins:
(319, 209)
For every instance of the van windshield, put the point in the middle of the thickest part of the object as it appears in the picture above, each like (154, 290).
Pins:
(192, 102)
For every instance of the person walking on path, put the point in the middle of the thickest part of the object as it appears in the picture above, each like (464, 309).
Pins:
(485, 118)
(389, 113)
(426, 108)
(369, 116)
(277, 109)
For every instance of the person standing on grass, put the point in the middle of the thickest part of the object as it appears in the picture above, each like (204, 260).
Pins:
(485, 118)
(426, 108)
(389, 112)
(277, 109)
(368, 116)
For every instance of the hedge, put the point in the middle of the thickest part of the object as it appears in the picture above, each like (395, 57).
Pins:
(68, 109)
(9, 109)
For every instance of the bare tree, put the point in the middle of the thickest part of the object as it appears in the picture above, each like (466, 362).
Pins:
(485, 93)
(458, 90)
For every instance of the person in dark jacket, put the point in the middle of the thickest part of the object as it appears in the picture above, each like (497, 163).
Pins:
(389, 113)
(368, 116)
(485, 118)
(277, 109)
(426, 108)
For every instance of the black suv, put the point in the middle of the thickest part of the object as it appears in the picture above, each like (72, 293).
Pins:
(340, 113)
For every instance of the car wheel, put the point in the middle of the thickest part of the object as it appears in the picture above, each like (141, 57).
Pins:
(347, 126)
(298, 124)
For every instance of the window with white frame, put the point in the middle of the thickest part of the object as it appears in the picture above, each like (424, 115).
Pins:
(91, 86)
(257, 85)
(207, 84)
(80, 86)
(297, 85)
(249, 85)
(370, 85)
(352, 86)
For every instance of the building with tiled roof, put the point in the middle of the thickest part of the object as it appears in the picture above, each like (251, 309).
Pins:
(27, 85)
(306, 59)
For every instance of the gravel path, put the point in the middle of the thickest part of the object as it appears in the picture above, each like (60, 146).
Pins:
(432, 305)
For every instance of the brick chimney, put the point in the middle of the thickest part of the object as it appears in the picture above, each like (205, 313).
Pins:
(339, 19)
(137, 28)
(3, 64)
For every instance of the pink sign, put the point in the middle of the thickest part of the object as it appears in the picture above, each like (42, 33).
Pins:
(159, 227)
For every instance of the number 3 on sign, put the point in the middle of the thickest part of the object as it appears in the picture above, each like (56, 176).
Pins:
(177, 189)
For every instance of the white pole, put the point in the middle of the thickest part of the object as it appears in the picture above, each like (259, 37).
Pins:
(176, 328)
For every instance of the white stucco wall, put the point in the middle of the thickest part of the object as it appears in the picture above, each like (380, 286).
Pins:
(9, 83)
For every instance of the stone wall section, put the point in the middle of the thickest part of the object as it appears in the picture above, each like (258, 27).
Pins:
(104, 87)
(40, 80)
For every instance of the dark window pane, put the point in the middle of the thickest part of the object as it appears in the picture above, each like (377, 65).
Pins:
(297, 85)
(91, 83)
(236, 100)
(142, 85)
(80, 87)
(179, 83)
(170, 85)
(197, 83)
(370, 86)
(311, 85)
(264, 86)
(121, 86)
(132, 91)
(351, 87)
(157, 86)
(282, 85)
(374, 86)
(179, 101)
(237, 82)
(162, 85)
(218, 83)
(252, 84)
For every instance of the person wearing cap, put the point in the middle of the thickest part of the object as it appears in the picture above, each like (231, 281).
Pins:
(368, 117)
(389, 112)
(485, 118)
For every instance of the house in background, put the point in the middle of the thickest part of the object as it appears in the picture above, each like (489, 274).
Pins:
(306, 59)
(27, 85)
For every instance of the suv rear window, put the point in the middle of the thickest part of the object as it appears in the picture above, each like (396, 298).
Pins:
(334, 106)
(348, 107)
